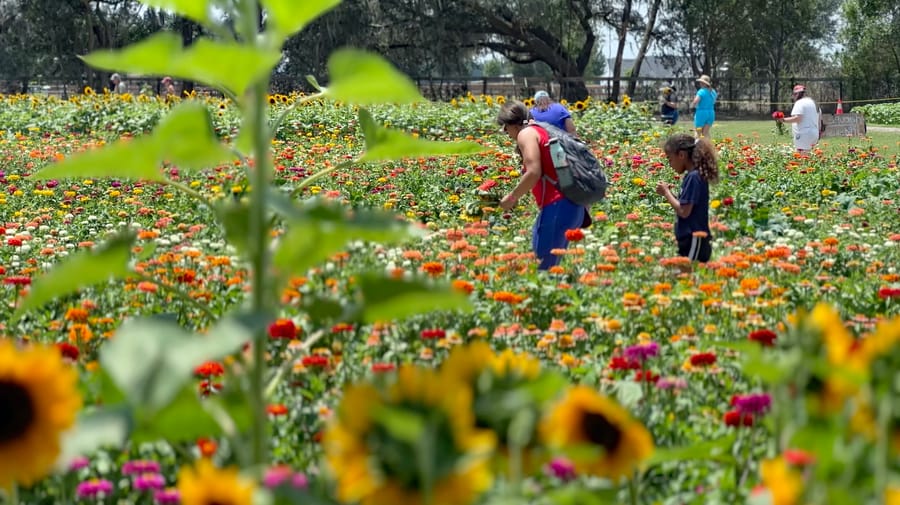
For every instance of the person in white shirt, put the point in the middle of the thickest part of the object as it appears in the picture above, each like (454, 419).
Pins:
(804, 120)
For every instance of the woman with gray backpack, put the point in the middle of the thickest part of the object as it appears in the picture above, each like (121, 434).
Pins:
(557, 172)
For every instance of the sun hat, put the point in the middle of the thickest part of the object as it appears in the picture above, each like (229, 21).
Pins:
(705, 80)
(115, 77)
(541, 94)
(799, 88)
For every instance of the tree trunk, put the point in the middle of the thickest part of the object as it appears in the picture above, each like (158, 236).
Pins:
(645, 45)
(620, 51)
(187, 38)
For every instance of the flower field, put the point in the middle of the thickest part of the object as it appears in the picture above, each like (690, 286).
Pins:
(768, 375)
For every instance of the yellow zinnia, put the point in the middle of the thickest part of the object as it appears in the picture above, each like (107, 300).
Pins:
(204, 484)
(39, 400)
(587, 419)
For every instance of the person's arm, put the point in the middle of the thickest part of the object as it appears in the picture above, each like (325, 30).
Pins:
(570, 125)
(682, 209)
(695, 101)
(528, 141)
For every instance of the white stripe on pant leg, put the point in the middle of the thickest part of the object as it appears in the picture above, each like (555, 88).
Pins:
(695, 248)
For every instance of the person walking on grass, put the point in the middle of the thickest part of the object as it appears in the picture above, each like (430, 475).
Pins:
(695, 160)
(804, 120)
(557, 214)
(555, 113)
(705, 104)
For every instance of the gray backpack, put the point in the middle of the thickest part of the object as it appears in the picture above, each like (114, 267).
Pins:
(581, 178)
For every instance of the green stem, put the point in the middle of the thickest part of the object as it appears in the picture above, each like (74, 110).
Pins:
(882, 452)
(290, 108)
(633, 489)
(289, 362)
(255, 121)
(318, 175)
(188, 191)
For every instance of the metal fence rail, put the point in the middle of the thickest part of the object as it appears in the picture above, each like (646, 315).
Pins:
(737, 97)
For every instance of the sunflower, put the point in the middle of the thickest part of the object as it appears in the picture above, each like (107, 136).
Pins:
(204, 484)
(586, 419)
(466, 363)
(272, 100)
(580, 106)
(39, 398)
(520, 365)
(375, 459)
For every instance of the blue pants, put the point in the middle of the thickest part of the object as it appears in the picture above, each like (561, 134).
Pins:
(549, 230)
(670, 117)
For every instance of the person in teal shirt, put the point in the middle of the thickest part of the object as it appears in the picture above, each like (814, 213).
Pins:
(705, 104)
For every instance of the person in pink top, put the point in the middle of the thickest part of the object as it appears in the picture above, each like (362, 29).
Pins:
(557, 213)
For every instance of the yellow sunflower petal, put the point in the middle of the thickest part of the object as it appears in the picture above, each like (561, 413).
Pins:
(40, 399)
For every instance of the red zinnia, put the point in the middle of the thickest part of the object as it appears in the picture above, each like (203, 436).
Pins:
(487, 185)
(209, 369)
(734, 419)
(207, 447)
(728, 201)
(575, 235)
(433, 334)
(315, 361)
(765, 338)
(283, 328)
(622, 363)
(799, 457)
(778, 115)
(277, 409)
(383, 367)
(17, 280)
(703, 359)
(885, 293)
(68, 350)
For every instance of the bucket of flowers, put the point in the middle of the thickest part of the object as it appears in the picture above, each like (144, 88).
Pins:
(778, 116)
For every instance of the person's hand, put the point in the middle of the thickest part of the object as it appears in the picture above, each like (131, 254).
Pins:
(508, 202)
(662, 188)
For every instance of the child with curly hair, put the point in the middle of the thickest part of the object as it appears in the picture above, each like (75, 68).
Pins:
(696, 161)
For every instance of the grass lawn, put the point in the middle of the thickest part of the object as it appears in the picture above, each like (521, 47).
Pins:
(887, 142)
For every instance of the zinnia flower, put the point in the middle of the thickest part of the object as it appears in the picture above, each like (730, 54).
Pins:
(39, 399)
(766, 338)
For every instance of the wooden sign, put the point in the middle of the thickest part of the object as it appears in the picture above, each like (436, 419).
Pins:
(843, 125)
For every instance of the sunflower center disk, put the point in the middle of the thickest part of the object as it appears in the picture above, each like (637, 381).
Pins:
(18, 410)
(600, 431)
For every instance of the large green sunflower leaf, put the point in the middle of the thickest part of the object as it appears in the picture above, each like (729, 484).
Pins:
(227, 65)
(186, 138)
(385, 144)
(288, 17)
(126, 159)
(388, 299)
(83, 269)
(365, 78)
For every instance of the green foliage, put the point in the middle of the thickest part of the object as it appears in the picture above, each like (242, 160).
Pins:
(228, 65)
(362, 78)
(881, 113)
